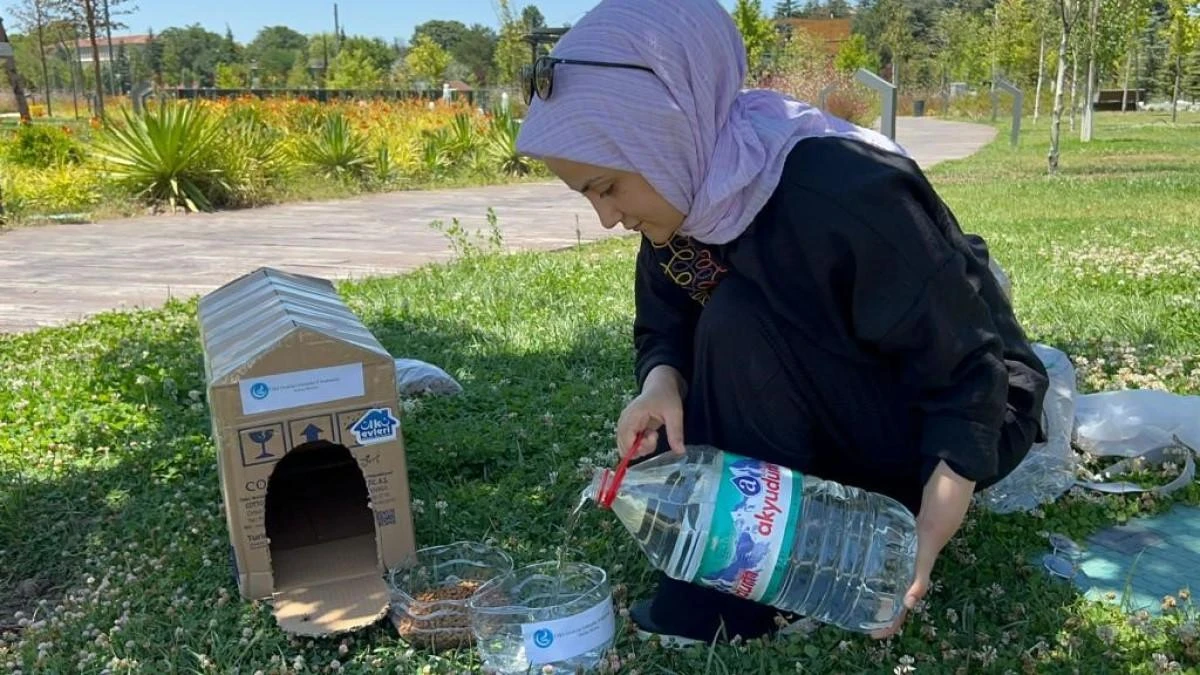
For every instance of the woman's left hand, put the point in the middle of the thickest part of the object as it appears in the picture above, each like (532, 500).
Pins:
(944, 504)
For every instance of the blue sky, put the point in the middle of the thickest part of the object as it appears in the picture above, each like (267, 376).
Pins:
(375, 18)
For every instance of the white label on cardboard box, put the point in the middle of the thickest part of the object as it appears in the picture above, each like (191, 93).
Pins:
(569, 637)
(302, 387)
(377, 425)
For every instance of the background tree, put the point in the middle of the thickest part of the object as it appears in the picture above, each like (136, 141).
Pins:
(1068, 14)
(230, 76)
(1183, 32)
(1191, 76)
(426, 60)
(14, 78)
(447, 34)
(512, 52)
(897, 34)
(758, 34)
(231, 51)
(189, 53)
(93, 17)
(356, 68)
(378, 53)
(531, 18)
(854, 54)
(33, 17)
(276, 50)
(1016, 40)
(476, 51)
(962, 45)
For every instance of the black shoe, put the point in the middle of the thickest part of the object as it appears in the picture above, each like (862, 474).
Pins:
(648, 629)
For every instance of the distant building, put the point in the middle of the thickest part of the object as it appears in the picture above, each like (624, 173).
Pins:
(131, 43)
(831, 33)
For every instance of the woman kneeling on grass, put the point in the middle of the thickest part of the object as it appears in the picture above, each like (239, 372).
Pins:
(803, 296)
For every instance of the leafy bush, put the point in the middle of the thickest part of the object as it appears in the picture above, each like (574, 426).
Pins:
(168, 154)
(42, 146)
(803, 71)
(206, 155)
(62, 189)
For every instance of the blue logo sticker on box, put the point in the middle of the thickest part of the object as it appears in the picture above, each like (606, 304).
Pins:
(377, 425)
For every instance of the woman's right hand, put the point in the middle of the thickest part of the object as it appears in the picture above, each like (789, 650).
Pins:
(659, 405)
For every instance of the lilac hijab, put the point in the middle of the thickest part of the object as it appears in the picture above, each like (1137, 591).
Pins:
(712, 150)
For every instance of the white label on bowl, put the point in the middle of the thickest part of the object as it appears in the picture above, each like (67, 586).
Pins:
(569, 637)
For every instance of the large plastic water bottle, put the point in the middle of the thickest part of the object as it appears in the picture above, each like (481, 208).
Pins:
(830, 552)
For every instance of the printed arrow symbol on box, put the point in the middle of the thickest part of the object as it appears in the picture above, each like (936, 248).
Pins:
(312, 433)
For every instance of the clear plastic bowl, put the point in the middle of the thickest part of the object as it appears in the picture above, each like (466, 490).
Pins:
(541, 615)
(429, 592)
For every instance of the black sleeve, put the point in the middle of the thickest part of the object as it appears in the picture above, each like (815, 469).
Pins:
(665, 319)
(912, 299)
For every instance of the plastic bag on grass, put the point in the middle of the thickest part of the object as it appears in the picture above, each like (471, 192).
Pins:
(416, 378)
(1049, 469)
(1132, 422)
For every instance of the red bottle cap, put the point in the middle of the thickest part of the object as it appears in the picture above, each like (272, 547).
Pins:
(611, 481)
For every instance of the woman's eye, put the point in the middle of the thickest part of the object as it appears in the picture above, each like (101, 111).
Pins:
(607, 191)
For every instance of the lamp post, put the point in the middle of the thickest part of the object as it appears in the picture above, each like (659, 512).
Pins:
(317, 68)
(254, 74)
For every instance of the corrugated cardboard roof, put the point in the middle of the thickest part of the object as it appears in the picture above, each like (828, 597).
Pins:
(250, 315)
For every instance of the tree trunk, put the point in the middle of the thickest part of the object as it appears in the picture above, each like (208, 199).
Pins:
(112, 83)
(1056, 115)
(1175, 94)
(89, 16)
(41, 29)
(1085, 134)
(1125, 85)
(1037, 96)
(14, 78)
(71, 54)
(1074, 80)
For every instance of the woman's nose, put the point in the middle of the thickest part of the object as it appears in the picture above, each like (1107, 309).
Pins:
(609, 216)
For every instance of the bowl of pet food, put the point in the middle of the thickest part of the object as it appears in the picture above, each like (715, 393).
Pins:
(430, 590)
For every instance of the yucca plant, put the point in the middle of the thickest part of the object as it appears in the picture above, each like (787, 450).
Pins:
(165, 155)
(384, 166)
(463, 137)
(501, 145)
(336, 150)
(437, 156)
(252, 159)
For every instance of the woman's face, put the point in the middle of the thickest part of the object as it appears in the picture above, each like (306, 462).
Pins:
(621, 197)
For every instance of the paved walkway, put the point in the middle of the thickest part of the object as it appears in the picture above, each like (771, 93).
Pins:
(55, 274)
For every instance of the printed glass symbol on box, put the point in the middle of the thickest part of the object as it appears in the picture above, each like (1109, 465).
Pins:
(262, 438)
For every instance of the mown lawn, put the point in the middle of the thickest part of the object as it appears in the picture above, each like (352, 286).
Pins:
(113, 548)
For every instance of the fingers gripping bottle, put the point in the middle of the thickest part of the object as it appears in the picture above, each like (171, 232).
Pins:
(833, 553)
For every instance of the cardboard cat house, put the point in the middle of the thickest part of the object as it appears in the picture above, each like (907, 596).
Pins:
(306, 420)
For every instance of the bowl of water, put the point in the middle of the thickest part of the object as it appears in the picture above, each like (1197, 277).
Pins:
(545, 618)
(430, 590)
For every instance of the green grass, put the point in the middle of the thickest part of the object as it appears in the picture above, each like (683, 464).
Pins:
(113, 545)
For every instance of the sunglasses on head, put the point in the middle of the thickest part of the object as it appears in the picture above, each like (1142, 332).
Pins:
(539, 79)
